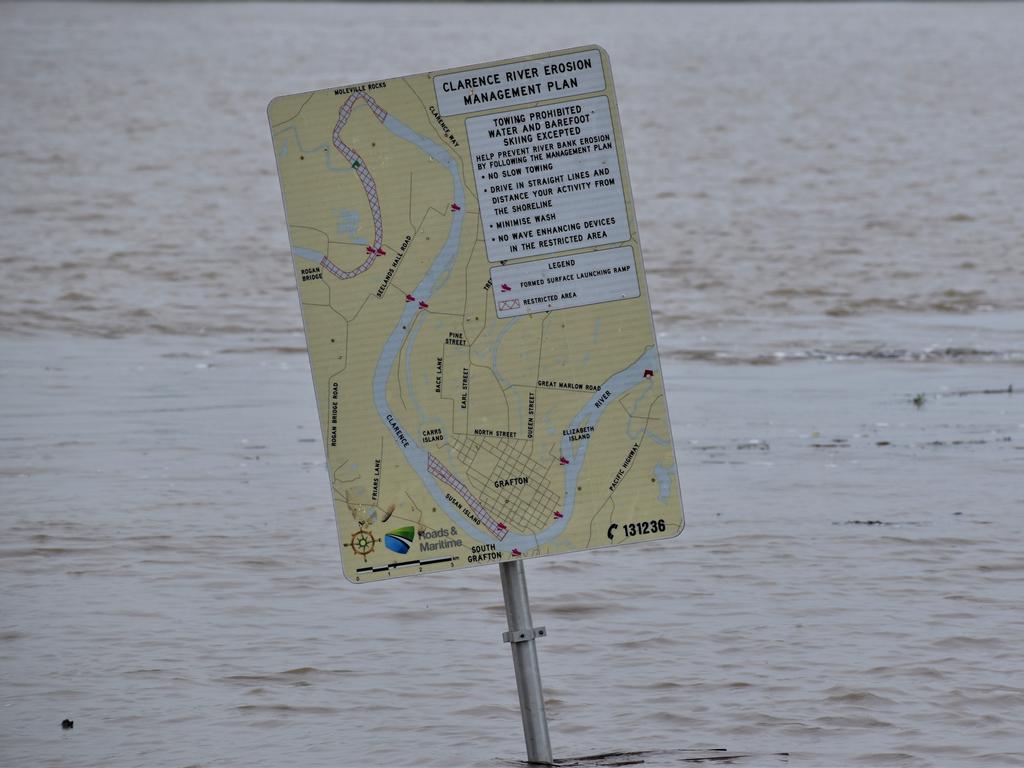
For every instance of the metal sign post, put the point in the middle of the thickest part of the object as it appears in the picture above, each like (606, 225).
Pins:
(522, 636)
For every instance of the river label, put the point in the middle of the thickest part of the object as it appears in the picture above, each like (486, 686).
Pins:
(565, 282)
(479, 327)
(548, 179)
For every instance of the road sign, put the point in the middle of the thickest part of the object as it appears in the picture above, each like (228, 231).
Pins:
(477, 315)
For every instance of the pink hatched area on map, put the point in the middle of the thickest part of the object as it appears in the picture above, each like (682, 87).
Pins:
(373, 251)
(441, 472)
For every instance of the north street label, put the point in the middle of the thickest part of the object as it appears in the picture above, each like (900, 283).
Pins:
(548, 179)
(565, 282)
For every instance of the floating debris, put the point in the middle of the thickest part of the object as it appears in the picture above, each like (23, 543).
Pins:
(965, 392)
(921, 397)
(754, 445)
(975, 441)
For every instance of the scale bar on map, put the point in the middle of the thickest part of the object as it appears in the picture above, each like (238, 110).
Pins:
(405, 564)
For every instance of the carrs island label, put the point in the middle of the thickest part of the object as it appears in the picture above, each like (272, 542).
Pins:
(477, 315)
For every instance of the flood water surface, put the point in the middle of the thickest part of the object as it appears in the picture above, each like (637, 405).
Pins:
(828, 198)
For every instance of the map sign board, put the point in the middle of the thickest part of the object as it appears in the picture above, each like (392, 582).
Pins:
(477, 315)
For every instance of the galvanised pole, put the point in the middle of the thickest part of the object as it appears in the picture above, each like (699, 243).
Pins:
(522, 636)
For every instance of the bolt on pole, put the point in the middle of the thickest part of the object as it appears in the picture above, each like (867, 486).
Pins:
(522, 636)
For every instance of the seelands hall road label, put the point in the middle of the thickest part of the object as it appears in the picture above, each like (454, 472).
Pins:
(548, 179)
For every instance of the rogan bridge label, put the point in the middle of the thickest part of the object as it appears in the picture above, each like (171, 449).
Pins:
(466, 426)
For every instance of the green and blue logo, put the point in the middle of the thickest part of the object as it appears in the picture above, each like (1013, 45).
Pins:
(400, 539)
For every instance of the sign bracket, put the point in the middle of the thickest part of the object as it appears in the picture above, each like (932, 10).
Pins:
(522, 635)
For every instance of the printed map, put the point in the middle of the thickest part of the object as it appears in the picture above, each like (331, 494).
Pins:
(477, 315)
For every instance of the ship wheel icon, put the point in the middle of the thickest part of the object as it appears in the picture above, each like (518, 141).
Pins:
(362, 543)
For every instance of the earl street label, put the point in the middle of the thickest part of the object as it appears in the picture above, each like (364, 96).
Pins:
(548, 179)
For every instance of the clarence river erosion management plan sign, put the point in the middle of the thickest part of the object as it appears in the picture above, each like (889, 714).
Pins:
(477, 315)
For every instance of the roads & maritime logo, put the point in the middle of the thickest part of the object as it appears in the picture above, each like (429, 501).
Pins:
(400, 539)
